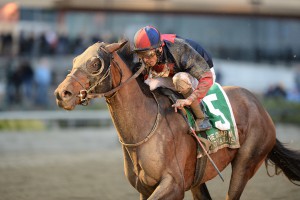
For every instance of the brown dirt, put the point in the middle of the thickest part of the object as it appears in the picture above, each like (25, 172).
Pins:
(86, 164)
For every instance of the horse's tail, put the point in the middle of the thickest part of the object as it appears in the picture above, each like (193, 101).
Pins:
(287, 160)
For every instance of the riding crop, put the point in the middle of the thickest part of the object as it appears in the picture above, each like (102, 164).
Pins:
(201, 145)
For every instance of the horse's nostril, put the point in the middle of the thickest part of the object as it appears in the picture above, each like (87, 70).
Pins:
(58, 97)
(66, 94)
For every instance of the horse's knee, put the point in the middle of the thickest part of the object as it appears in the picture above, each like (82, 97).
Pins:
(168, 189)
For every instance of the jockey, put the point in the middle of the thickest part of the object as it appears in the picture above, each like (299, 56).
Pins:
(179, 64)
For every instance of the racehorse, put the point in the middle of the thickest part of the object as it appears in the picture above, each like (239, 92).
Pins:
(159, 153)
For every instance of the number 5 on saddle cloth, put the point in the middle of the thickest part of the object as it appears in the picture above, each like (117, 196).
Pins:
(224, 131)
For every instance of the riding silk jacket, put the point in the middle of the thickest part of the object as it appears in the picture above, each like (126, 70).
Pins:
(184, 55)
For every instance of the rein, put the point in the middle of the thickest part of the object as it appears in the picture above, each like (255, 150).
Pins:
(86, 94)
(151, 133)
(107, 94)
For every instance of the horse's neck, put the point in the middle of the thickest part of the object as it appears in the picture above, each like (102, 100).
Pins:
(120, 73)
(130, 107)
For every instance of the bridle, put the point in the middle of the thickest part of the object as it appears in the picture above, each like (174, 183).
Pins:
(86, 94)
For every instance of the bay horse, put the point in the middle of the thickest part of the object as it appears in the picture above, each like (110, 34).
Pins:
(159, 153)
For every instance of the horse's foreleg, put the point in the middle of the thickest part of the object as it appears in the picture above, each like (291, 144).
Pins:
(201, 192)
(132, 177)
(168, 188)
(143, 197)
(128, 168)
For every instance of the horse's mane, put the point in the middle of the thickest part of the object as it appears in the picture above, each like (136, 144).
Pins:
(127, 54)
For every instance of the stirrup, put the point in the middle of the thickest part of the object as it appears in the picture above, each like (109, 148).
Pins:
(203, 125)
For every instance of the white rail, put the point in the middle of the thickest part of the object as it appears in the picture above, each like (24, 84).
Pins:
(55, 115)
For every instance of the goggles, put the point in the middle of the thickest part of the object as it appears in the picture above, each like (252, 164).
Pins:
(146, 54)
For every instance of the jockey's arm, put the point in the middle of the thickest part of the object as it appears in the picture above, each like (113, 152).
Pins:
(192, 62)
(196, 65)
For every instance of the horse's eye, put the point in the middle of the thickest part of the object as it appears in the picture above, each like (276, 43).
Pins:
(94, 66)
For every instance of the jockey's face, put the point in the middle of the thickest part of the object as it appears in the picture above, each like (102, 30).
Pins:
(149, 57)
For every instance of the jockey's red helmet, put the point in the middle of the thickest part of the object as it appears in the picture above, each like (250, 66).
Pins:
(147, 38)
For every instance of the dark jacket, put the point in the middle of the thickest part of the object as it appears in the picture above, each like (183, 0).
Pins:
(187, 56)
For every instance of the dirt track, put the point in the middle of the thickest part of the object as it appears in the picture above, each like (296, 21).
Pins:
(86, 164)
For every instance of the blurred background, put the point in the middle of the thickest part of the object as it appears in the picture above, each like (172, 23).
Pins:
(254, 44)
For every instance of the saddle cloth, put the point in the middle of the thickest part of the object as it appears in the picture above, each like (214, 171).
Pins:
(224, 132)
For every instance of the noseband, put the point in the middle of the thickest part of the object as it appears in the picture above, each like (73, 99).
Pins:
(86, 94)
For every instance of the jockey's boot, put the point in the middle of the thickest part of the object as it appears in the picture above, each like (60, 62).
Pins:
(202, 120)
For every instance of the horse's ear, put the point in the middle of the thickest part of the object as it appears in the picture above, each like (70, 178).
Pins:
(115, 46)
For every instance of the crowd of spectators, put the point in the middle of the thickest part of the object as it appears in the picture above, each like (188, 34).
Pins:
(279, 91)
(28, 68)
(46, 43)
(27, 87)
(25, 83)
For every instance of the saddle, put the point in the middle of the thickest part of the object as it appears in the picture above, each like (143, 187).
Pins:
(224, 132)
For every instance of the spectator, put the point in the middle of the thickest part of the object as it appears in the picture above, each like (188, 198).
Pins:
(62, 45)
(17, 83)
(51, 40)
(10, 90)
(42, 46)
(26, 41)
(297, 79)
(42, 79)
(27, 79)
(6, 41)
(294, 95)
(276, 91)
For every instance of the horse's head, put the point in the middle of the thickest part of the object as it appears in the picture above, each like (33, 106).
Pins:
(90, 73)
